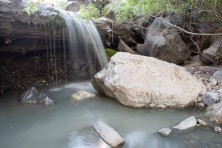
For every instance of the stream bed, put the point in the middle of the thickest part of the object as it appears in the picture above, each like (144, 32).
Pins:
(67, 124)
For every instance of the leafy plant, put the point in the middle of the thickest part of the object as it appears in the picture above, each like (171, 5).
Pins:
(89, 12)
(32, 7)
(127, 10)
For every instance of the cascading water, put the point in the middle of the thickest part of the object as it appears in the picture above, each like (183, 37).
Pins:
(56, 48)
(86, 50)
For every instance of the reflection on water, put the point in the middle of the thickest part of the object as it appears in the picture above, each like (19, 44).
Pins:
(66, 124)
(86, 139)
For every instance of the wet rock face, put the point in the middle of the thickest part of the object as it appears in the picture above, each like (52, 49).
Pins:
(139, 81)
(32, 96)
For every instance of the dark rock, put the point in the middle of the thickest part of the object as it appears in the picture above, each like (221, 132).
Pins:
(210, 98)
(17, 25)
(109, 30)
(213, 54)
(46, 100)
(30, 96)
(164, 42)
(204, 42)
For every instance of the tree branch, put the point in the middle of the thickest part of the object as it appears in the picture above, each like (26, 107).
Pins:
(188, 32)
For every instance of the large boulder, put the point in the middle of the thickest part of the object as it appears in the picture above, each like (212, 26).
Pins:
(73, 6)
(139, 81)
(164, 42)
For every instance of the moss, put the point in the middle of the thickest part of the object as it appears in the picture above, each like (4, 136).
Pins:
(110, 52)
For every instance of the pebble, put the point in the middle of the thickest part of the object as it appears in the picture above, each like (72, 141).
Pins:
(201, 122)
(217, 129)
(165, 131)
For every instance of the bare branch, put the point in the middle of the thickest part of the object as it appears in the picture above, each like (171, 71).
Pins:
(188, 32)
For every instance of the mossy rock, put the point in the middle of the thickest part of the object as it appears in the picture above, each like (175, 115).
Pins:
(110, 52)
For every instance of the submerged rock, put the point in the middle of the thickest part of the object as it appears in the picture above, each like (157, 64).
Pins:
(139, 81)
(46, 100)
(217, 129)
(32, 96)
(186, 124)
(80, 95)
(165, 131)
(210, 98)
(108, 134)
(214, 112)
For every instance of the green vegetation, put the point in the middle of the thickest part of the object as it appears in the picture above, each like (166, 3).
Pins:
(110, 52)
(128, 10)
(89, 12)
(31, 7)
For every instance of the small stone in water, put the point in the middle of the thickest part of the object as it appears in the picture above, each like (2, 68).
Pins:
(108, 134)
(187, 123)
(30, 96)
(201, 122)
(80, 95)
(217, 129)
(165, 131)
(46, 100)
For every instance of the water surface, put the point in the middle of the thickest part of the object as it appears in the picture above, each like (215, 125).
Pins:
(66, 124)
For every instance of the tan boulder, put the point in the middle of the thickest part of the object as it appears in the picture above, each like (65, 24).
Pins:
(139, 81)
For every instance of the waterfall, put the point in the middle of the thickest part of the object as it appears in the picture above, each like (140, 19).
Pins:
(86, 50)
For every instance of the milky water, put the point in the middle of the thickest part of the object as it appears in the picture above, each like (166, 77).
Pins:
(67, 124)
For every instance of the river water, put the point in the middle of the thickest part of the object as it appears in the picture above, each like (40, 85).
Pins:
(66, 124)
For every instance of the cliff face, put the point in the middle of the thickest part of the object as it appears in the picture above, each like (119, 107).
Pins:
(21, 32)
